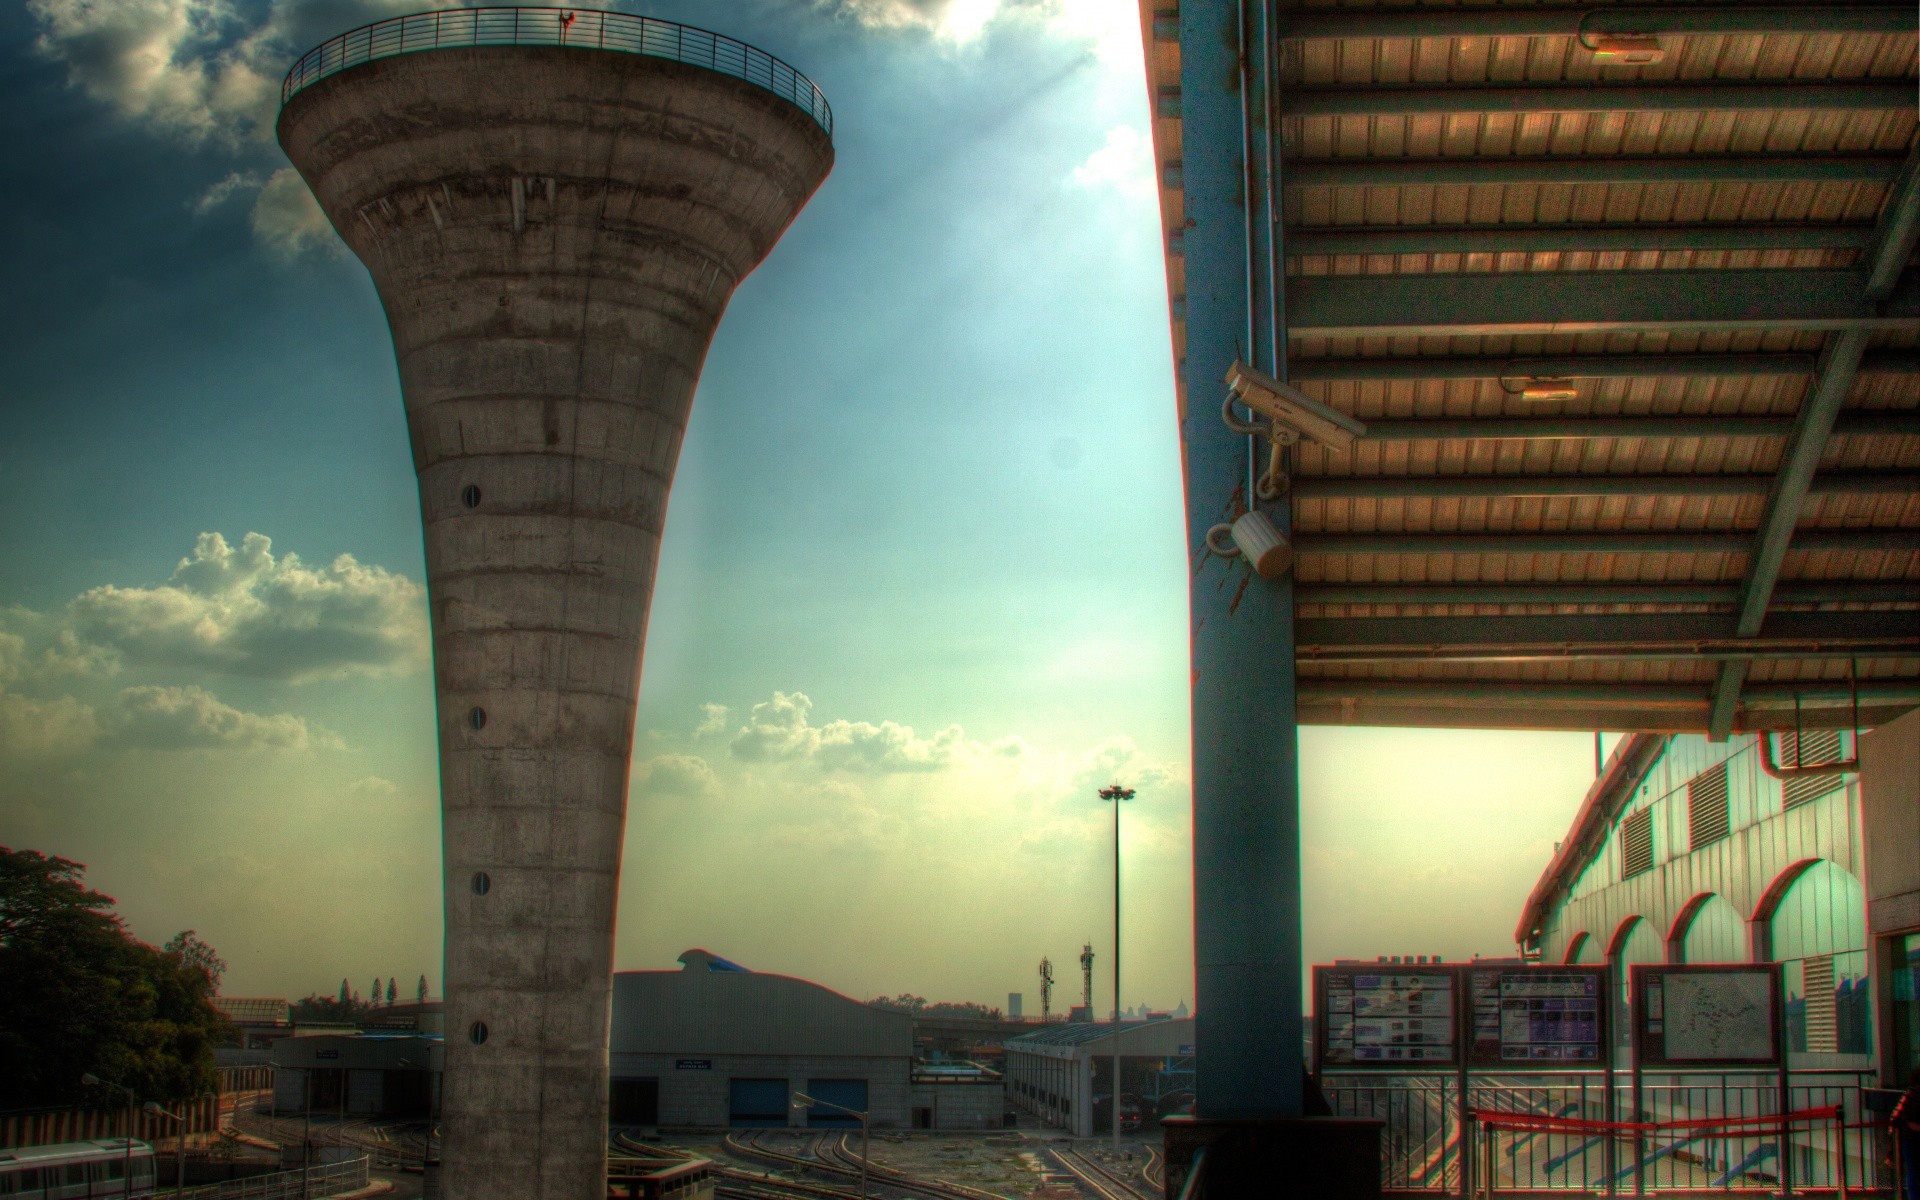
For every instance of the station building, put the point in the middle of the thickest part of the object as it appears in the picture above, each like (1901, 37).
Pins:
(1692, 851)
(1063, 1074)
(714, 1045)
(357, 1074)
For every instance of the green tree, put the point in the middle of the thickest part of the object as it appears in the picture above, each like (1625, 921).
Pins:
(83, 995)
(422, 992)
(392, 991)
(345, 995)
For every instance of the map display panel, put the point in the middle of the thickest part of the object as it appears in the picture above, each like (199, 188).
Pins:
(1390, 1016)
(1540, 1018)
(1719, 1015)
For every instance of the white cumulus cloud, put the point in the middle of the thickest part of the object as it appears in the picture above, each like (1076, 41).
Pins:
(288, 219)
(1122, 164)
(243, 611)
(779, 729)
(685, 775)
(191, 718)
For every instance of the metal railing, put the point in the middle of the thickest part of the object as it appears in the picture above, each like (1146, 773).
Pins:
(584, 28)
(1421, 1144)
(328, 1179)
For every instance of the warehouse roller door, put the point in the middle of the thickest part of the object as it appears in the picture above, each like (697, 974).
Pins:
(633, 1102)
(757, 1103)
(846, 1093)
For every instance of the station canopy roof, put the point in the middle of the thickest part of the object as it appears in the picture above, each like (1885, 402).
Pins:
(1718, 520)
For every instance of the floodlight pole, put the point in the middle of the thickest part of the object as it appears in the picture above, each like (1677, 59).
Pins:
(126, 1161)
(802, 1100)
(1118, 795)
(179, 1147)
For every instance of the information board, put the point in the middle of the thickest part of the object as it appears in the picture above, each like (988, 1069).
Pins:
(1718, 1015)
(1385, 1016)
(1537, 1018)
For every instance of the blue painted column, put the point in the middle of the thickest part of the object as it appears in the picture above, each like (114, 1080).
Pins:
(1246, 793)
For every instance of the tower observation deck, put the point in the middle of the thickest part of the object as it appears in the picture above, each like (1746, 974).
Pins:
(555, 207)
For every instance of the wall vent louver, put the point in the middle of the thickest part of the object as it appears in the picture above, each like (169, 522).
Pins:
(1707, 818)
(1823, 1032)
(1809, 749)
(1636, 843)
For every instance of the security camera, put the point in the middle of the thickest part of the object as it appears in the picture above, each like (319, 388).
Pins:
(1290, 408)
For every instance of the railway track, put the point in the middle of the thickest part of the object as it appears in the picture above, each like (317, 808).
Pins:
(1154, 1172)
(830, 1154)
(1105, 1183)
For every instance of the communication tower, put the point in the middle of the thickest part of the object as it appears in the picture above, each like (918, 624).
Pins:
(1086, 977)
(1046, 988)
(555, 206)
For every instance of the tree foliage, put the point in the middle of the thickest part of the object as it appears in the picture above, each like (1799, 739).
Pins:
(920, 1006)
(82, 995)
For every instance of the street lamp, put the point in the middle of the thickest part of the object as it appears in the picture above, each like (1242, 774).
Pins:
(179, 1143)
(1118, 795)
(802, 1100)
(126, 1167)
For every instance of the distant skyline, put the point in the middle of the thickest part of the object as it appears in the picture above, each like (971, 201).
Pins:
(923, 585)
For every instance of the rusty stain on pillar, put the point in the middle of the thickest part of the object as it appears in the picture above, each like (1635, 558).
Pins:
(554, 229)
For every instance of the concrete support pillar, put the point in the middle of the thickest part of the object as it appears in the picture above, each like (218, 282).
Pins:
(554, 233)
(1246, 792)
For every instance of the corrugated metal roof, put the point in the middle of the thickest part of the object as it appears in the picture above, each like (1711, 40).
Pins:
(1480, 141)
(700, 1011)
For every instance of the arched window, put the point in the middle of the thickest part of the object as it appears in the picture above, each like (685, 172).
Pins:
(1582, 949)
(1817, 931)
(1714, 932)
(1635, 941)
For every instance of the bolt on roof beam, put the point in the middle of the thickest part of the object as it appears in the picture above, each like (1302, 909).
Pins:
(1898, 227)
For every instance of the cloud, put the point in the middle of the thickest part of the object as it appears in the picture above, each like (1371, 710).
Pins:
(62, 725)
(1122, 164)
(779, 729)
(190, 718)
(288, 219)
(234, 183)
(685, 775)
(713, 720)
(1112, 27)
(172, 64)
(243, 612)
(374, 787)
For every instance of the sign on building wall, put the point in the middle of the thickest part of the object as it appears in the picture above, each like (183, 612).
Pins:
(1720, 1015)
(1385, 1016)
(1537, 1018)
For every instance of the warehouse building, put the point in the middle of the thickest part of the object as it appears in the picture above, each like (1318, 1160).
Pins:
(1763, 848)
(1062, 1073)
(714, 1045)
(357, 1074)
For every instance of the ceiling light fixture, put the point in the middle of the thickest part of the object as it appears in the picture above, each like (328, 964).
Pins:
(1625, 49)
(1549, 389)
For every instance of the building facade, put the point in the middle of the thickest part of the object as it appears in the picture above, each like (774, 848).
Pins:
(1062, 1074)
(715, 1045)
(1750, 850)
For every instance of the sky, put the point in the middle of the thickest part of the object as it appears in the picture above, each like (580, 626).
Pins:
(922, 593)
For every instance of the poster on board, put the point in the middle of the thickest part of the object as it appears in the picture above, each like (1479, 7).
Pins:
(1708, 1015)
(1537, 1018)
(1390, 1016)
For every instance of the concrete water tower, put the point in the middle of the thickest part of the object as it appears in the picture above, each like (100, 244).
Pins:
(555, 206)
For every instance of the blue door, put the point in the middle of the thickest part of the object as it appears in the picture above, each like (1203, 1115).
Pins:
(757, 1103)
(847, 1093)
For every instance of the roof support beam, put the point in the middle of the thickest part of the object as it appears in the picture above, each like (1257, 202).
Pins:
(1514, 705)
(1780, 95)
(1572, 239)
(1419, 172)
(1589, 302)
(1834, 591)
(1896, 422)
(1582, 366)
(1501, 487)
(1861, 541)
(1899, 226)
(1604, 635)
(1479, 22)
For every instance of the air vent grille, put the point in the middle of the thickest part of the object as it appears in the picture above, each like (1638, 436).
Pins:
(1707, 808)
(1823, 1033)
(1636, 844)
